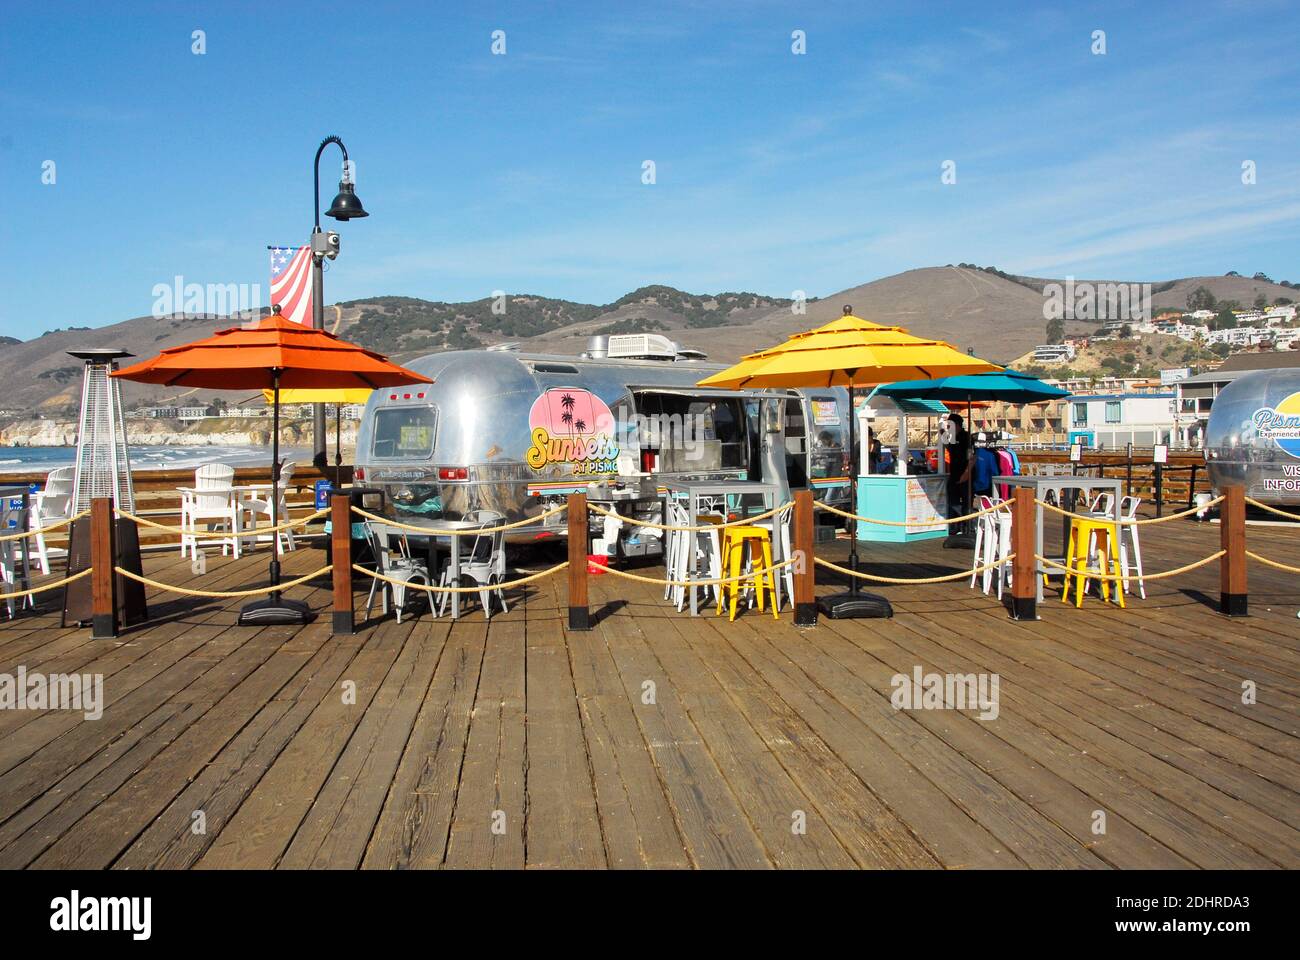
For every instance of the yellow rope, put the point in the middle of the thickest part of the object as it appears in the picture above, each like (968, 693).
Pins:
(708, 526)
(1093, 575)
(908, 523)
(1264, 506)
(48, 586)
(44, 530)
(952, 576)
(1135, 522)
(223, 593)
(246, 532)
(713, 581)
(429, 588)
(433, 532)
(1272, 563)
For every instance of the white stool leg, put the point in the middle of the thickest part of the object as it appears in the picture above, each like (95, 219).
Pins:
(979, 543)
(1137, 560)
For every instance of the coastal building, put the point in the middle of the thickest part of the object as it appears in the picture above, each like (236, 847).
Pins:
(1054, 353)
(1113, 420)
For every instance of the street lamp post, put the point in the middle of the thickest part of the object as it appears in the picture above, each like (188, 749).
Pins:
(346, 206)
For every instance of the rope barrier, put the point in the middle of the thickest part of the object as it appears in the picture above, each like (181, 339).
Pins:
(712, 581)
(223, 593)
(1095, 575)
(1272, 563)
(708, 526)
(47, 586)
(430, 588)
(908, 523)
(467, 531)
(43, 530)
(1134, 522)
(904, 580)
(1264, 506)
(250, 531)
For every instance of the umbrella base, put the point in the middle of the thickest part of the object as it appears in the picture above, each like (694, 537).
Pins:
(959, 541)
(275, 610)
(852, 605)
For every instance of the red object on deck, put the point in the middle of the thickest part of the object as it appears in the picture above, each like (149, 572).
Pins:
(597, 563)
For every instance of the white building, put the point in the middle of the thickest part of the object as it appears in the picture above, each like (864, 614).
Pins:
(1054, 353)
(1240, 336)
(1110, 421)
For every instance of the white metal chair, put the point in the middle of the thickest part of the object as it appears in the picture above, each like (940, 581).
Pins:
(10, 553)
(52, 504)
(211, 505)
(395, 562)
(485, 563)
(781, 529)
(258, 508)
(992, 546)
(1103, 505)
(1128, 538)
(690, 547)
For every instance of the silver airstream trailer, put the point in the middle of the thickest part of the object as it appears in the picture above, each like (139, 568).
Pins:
(1253, 436)
(516, 432)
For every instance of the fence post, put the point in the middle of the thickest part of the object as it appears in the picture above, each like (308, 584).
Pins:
(341, 558)
(1191, 488)
(1128, 472)
(1024, 543)
(579, 614)
(805, 597)
(1232, 539)
(1160, 490)
(103, 578)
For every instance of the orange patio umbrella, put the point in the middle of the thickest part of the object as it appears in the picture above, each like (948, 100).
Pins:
(273, 353)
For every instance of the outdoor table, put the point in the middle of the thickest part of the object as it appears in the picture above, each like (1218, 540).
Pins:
(696, 490)
(17, 491)
(452, 544)
(1067, 489)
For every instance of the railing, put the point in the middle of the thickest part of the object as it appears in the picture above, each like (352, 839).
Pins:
(1026, 563)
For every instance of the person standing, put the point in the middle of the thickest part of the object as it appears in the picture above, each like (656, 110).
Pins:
(959, 466)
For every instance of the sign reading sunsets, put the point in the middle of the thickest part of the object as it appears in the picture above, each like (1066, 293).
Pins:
(572, 426)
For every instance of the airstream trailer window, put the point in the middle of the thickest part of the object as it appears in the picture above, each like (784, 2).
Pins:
(826, 454)
(687, 432)
(404, 433)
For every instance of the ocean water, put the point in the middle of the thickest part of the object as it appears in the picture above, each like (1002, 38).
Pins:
(143, 457)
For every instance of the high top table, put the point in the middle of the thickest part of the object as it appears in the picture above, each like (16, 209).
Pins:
(1067, 489)
(694, 491)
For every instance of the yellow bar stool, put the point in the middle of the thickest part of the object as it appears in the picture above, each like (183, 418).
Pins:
(757, 542)
(1086, 537)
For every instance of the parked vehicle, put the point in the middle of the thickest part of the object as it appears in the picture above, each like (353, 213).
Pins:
(516, 432)
(1253, 436)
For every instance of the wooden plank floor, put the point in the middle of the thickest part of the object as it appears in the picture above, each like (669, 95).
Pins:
(661, 740)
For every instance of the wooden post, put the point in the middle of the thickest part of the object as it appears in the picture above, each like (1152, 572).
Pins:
(579, 614)
(1232, 538)
(802, 537)
(103, 579)
(1024, 543)
(341, 558)
(1191, 489)
(1160, 490)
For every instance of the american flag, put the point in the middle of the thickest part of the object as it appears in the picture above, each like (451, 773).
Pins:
(291, 282)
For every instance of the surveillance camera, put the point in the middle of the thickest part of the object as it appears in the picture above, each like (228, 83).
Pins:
(325, 244)
(332, 241)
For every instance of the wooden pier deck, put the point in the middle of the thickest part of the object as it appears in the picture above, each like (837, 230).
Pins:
(660, 740)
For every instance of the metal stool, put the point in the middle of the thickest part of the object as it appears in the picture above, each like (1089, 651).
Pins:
(757, 542)
(1087, 537)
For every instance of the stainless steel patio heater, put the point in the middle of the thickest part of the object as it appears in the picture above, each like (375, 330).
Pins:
(103, 470)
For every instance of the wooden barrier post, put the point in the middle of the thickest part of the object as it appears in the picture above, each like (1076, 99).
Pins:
(341, 558)
(1191, 489)
(579, 614)
(103, 578)
(1232, 539)
(1160, 490)
(803, 535)
(1024, 544)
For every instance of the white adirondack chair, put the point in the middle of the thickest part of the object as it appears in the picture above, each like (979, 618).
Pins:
(210, 505)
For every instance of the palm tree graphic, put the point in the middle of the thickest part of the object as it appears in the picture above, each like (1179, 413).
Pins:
(580, 425)
(568, 403)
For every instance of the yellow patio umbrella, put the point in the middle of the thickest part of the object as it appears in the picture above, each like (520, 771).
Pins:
(849, 352)
(337, 396)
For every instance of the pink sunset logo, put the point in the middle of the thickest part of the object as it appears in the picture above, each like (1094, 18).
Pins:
(572, 426)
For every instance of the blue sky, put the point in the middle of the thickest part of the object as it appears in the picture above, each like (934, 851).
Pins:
(775, 172)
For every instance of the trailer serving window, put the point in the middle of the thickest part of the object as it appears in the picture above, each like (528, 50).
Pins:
(692, 432)
(404, 433)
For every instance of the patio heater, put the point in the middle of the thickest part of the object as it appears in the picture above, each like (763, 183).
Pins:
(103, 470)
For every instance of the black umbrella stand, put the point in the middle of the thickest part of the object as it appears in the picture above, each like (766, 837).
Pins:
(274, 608)
(853, 603)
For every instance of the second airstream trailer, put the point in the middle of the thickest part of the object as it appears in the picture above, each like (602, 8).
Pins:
(1253, 436)
(516, 432)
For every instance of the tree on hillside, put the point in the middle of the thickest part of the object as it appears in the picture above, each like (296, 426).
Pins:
(1225, 319)
(1261, 302)
(1220, 349)
(1126, 332)
(1056, 330)
(1200, 299)
(1263, 276)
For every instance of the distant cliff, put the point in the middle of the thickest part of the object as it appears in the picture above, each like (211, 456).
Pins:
(224, 432)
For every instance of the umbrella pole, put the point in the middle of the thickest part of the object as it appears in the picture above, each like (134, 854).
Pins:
(275, 483)
(854, 461)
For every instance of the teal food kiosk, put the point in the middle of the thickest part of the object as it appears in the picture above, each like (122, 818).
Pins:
(913, 500)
